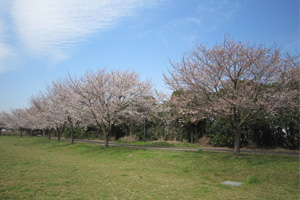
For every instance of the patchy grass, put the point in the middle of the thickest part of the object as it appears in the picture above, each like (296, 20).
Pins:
(37, 168)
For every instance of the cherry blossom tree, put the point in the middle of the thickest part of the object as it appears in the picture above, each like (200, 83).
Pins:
(2, 122)
(32, 121)
(164, 114)
(66, 107)
(7, 120)
(137, 112)
(42, 104)
(105, 95)
(235, 81)
(58, 107)
(182, 105)
(16, 119)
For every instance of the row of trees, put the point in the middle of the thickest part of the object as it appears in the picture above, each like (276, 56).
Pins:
(235, 84)
(97, 99)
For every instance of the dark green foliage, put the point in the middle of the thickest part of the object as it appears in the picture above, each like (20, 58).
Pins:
(272, 132)
(261, 133)
(281, 130)
(278, 131)
(220, 133)
(79, 133)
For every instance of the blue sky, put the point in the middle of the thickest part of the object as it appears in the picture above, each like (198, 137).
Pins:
(43, 40)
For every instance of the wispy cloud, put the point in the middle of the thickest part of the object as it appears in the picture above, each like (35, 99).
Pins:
(7, 56)
(218, 9)
(206, 16)
(52, 27)
(7, 51)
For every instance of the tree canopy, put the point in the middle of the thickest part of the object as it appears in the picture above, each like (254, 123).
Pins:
(235, 81)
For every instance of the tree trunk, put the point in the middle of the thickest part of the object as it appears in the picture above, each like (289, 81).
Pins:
(49, 134)
(72, 134)
(144, 129)
(21, 133)
(31, 132)
(166, 133)
(106, 131)
(72, 129)
(58, 134)
(0, 131)
(106, 141)
(192, 138)
(115, 135)
(130, 135)
(237, 141)
(72, 142)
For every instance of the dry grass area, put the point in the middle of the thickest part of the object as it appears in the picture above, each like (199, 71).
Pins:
(37, 168)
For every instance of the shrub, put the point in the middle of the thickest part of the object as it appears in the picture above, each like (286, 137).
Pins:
(252, 180)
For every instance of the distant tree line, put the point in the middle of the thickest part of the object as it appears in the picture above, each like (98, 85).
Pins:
(233, 94)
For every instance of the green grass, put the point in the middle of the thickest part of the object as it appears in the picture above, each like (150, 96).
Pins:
(37, 168)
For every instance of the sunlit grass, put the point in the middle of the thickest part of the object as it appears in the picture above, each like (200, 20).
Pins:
(37, 168)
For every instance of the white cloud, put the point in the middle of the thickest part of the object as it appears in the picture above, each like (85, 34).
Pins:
(54, 26)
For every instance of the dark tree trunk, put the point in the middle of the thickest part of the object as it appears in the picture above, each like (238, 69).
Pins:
(197, 134)
(72, 129)
(167, 131)
(49, 134)
(130, 134)
(21, 133)
(72, 134)
(237, 141)
(107, 132)
(31, 132)
(0, 131)
(192, 138)
(72, 138)
(106, 140)
(58, 134)
(115, 135)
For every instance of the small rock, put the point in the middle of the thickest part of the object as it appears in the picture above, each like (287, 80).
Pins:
(232, 183)
(130, 156)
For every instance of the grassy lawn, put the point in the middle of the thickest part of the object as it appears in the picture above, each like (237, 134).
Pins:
(37, 168)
